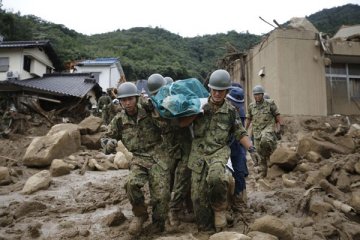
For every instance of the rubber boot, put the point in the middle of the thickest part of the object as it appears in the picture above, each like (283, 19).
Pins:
(137, 222)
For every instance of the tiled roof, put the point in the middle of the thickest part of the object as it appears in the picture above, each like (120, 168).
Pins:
(68, 84)
(98, 61)
(45, 44)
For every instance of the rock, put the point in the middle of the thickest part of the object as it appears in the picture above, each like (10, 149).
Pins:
(303, 167)
(274, 171)
(313, 178)
(90, 125)
(284, 158)
(59, 167)
(34, 230)
(114, 219)
(288, 182)
(318, 206)
(229, 236)
(324, 148)
(91, 141)
(326, 170)
(4, 176)
(121, 147)
(313, 157)
(343, 181)
(355, 201)
(40, 180)
(255, 235)
(357, 167)
(274, 226)
(121, 161)
(93, 164)
(61, 141)
(188, 236)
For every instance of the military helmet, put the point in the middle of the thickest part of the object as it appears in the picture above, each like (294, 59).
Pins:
(266, 96)
(127, 89)
(220, 80)
(168, 80)
(155, 82)
(258, 89)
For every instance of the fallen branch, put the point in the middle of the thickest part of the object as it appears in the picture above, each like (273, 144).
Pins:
(8, 158)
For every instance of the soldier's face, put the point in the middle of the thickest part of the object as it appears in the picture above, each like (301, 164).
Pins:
(129, 104)
(218, 95)
(258, 97)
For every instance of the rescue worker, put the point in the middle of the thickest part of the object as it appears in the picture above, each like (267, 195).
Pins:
(103, 103)
(179, 146)
(210, 153)
(264, 116)
(238, 157)
(135, 127)
(168, 80)
(7, 121)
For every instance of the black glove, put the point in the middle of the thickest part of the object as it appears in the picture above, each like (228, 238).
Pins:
(255, 157)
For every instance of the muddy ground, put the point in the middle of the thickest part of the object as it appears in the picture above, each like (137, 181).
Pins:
(89, 206)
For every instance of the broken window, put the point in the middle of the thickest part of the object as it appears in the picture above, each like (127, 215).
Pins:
(4, 64)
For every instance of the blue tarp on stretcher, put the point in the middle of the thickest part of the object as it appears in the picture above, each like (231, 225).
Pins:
(180, 98)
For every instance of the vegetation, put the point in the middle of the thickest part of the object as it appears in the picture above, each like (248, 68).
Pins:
(143, 51)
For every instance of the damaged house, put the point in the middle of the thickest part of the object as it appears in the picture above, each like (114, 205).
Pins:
(28, 80)
(303, 70)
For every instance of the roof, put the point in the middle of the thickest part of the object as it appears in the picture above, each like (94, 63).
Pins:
(44, 44)
(347, 31)
(68, 84)
(98, 62)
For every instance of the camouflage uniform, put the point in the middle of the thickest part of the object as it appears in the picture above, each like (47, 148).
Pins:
(209, 155)
(143, 138)
(262, 116)
(103, 103)
(112, 110)
(180, 152)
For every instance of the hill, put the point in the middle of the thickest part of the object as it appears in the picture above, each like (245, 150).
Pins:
(143, 51)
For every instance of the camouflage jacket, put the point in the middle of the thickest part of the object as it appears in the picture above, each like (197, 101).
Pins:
(262, 116)
(140, 135)
(104, 101)
(212, 133)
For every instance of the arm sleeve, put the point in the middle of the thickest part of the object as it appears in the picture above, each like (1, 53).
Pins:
(114, 129)
(274, 109)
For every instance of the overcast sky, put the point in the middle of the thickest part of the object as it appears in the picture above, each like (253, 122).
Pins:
(188, 18)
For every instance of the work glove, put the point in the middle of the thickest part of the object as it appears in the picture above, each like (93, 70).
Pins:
(109, 145)
(255, 157)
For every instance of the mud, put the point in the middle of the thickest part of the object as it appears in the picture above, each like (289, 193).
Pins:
(77, 206)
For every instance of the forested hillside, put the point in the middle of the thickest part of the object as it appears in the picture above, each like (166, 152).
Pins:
(143, 51)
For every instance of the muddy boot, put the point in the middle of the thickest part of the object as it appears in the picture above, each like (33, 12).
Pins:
(220, 220)
(137, 222)
(174, 217)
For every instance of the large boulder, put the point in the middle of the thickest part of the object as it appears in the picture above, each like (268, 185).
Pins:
(90, 125)
(62, 140)
(274, 226)
(324, 148)
(285, 158)
(40, 180)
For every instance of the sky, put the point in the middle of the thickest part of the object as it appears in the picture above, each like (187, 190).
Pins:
(187, 18)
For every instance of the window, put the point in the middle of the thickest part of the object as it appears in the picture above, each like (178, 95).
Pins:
(27, 63)
(4, 64)
(355, 87)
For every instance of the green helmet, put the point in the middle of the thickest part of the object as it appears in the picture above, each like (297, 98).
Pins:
(155, 82)
(168, 80)
(258, 89)
(127, 89)
(220, 80)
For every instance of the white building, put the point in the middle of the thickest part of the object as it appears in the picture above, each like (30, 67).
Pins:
(107, 71)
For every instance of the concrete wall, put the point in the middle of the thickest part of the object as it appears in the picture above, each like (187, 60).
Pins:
(294, 71)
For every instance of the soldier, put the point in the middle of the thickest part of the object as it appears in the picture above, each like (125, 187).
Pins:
(7, 121)
(210, 153)
(103, 103)
(264, 116)
(179, 139)
(168, 80)
(135, 127)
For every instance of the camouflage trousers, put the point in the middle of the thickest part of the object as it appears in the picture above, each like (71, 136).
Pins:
(265, 146)
(182, 180)
(159, 187)
(208, 193)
